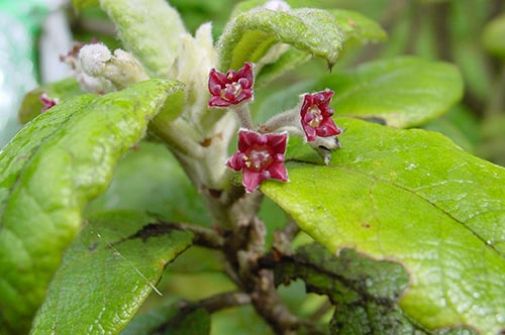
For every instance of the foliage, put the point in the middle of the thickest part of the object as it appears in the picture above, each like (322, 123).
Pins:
(378, 229)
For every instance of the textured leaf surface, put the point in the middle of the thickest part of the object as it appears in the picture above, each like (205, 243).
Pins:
(404, 91)
(48, 173)
(149, 179)
(106, 274)
(251, 34)
(355, 28)
(364, 291)
(353, 24)
(494, 37)
(150, 29)
(413, 197)
(286, 62)
(61, 90)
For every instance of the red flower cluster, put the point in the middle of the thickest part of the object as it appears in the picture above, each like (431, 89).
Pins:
(47, 102)
(259, 157)
(231, 88)
(316, 115)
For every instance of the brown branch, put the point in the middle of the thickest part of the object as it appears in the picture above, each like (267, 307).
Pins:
(204, 237)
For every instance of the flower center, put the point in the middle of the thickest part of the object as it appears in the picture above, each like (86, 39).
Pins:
(258, 158)
(231, 90)
(317, 117)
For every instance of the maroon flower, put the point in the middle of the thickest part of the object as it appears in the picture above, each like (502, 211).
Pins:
(231, 88)
(47, 102)
(316, 115)
(260, 157)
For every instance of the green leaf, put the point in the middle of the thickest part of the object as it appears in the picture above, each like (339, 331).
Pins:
(250, 35)
(241, 320)
(355, 27)
(149, 179)
(83, 4)
(404, 92)
(61, 90)
(364, 291)
(189, 323)
(289, 60)
(107, 273)
(150, 29)
(494, 36)
(413, 197)
(49, 172)
(149, 322)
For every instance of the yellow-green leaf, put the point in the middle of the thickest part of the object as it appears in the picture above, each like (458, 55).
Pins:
(48, 173)
(413, 197)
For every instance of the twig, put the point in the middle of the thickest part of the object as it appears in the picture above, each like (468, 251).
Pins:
(204, 237)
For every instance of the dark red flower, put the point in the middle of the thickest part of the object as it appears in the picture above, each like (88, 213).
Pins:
(47, 102)
(260, 157)
(231, 88)
(316, 115)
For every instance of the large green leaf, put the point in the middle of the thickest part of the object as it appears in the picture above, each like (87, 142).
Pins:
(355, 27)
(250, 35)
(384, 91)
(494, 36)
(107, 273)
(364, 291)
(49, 172)
(61, 90)
(404, 92)
(150, 29)
(413, 197)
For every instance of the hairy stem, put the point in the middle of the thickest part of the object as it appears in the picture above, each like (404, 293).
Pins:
(244, 116)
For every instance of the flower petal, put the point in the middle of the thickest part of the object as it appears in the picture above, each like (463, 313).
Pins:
(328, 128)
(310, 133)
(245, 94)
(278, 171)
(277, 142)
(217, 78)
(247, 138)
(246, 72)
(236, 162)
(327, 95)
(218, 102)
(251, 180)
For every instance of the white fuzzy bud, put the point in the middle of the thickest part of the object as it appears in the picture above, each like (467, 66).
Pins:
(277, 5)
(100, 71)
(93, 57)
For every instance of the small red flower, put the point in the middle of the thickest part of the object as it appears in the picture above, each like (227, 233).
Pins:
(47, 102)
(231, 88)
(260, 157)
(316, 115)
